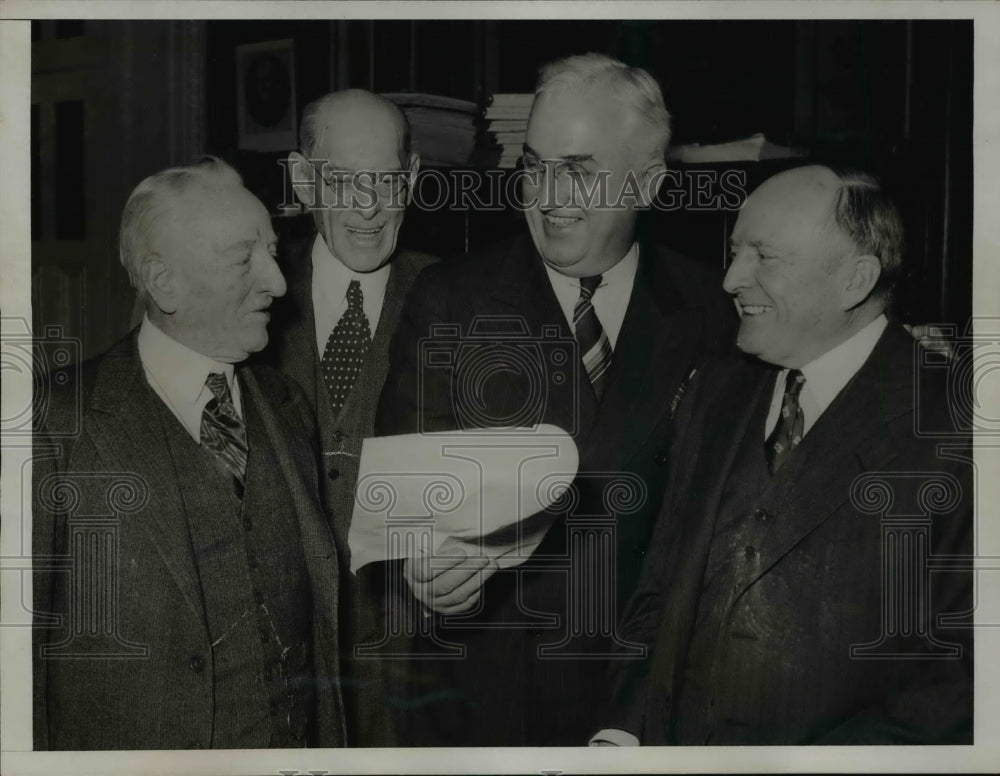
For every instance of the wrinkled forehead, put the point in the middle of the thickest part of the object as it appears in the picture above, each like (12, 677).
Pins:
(797, 200)
(362, 138)
(570, 120)
(214, 216)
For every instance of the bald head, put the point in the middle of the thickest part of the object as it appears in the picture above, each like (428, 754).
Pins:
(355, 175)
(810, 250)
(353, 122)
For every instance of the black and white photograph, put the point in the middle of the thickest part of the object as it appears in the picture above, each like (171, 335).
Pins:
(524, 388)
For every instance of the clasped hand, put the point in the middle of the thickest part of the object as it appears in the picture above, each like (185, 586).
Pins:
(449, 584)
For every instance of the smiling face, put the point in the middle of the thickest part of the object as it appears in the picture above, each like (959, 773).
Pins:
(361, 134)
(595, 140)
(789, 273)
(216, 247)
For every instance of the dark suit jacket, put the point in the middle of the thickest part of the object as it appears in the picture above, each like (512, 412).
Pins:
(155, 701)
(293, 350)
(676, 315)
(813, 587)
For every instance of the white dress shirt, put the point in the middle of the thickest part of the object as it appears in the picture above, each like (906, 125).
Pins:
(178, 375)
(330, 279)
(826, 376)
(610, 300)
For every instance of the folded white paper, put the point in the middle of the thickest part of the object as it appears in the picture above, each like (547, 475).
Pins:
(473, 493)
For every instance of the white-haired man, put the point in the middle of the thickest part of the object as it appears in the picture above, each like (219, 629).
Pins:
(537, 636)
(808, 579)
(198, 606)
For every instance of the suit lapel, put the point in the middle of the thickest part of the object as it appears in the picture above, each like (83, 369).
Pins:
(297, 352)
(520, 288)
(317, 539)
(359, 409)
(690, 537)
(656, 350)
(126, 430)
(850, 438)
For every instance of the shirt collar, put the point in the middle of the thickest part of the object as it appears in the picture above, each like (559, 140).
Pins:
(827, 375)
(178, 372)
(331, 274)
(621, 273)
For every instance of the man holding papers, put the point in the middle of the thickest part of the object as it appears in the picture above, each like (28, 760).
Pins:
(582, 326)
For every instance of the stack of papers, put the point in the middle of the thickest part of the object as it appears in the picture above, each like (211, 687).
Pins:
(749, 149)
(442, 129)
(507, 121)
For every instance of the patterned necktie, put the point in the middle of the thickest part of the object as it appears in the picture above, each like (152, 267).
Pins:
(591, 337)
(222, 430)
(788, 430)
(346, 348)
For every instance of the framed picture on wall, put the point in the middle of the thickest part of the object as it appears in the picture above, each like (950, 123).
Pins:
(265, 96)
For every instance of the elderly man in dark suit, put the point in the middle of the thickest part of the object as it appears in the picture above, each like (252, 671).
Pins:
(346, 285)
(179, 538)
(788, 596)
(638, 318)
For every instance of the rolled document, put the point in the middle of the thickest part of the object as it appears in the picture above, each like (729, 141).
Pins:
(449, 494)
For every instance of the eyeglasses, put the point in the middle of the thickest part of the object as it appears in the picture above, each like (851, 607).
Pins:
(574, 171)
(357, 188)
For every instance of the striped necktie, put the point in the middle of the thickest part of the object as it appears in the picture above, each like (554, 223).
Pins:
(788, 431)
(345, 350)
(591, 337)
(222, 430)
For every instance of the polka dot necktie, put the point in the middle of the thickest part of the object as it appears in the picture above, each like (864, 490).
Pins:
(346, 348)
(222, 430)
(788, 431)
(590, 335)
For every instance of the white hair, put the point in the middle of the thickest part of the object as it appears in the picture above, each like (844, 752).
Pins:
(154, 196)
(633, 85)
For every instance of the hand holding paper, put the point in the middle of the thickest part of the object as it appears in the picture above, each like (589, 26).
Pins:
(453, 589)
(452, 500)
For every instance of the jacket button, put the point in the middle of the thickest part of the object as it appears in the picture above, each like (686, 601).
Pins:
(274, 709)
(760, 514)
(247, 523)
(196, 664)
(750, 553)
(333, 473)
(194, 745)
(661, 457)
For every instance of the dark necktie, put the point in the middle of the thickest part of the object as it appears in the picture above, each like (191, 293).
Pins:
(590, 335)
(788, 430)
(346, 348)
(222, 430)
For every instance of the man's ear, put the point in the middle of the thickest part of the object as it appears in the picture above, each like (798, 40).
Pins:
(413, 168)
(303, 178)
(864, 272)
(158, 283)
(652, 179)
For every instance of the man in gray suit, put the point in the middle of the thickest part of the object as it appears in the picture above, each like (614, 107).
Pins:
(346, 285)
(186, 580)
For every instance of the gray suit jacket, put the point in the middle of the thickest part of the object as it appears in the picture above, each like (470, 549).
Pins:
(293, 349)
(140, 686)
